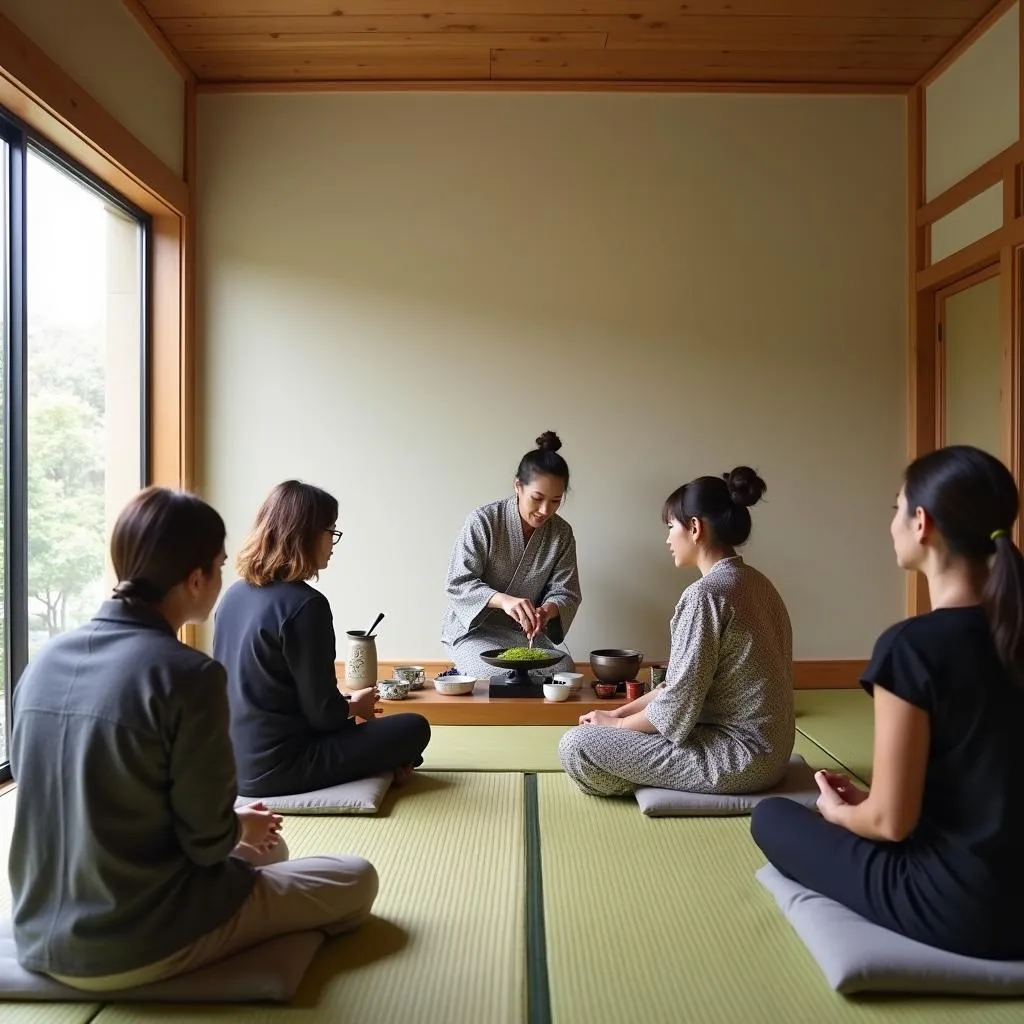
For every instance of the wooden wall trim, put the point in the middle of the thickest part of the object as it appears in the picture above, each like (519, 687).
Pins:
(163, 44)
(166, 364)
(961, 284)
(494, 85)
(982, 253)
(1010, 328)
(188, 361)
(190, 407)
(807, 675)
(964, 44)
(984, 177)
(1011, 192)
(38, 91)
(921, 369)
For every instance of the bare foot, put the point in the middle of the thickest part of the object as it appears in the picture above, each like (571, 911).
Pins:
(403, 774)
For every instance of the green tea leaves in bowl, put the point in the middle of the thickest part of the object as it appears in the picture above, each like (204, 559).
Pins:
(524, 654)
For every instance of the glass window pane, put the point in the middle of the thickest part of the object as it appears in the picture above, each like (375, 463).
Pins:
(84, 391)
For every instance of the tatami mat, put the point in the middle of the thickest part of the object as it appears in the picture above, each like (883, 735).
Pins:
(841, 722)
(447, 944)
(531, 748)
(662, 921)
(814, 755)
(494, 748)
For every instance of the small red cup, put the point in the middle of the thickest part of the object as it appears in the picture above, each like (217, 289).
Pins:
(634, 689)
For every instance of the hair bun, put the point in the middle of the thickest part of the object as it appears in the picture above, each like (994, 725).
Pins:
(745, 486)
(549, 441)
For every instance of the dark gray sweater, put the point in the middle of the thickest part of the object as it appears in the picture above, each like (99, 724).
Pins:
(126, 787)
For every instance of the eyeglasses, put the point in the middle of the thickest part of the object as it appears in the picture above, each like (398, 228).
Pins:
(336, 535)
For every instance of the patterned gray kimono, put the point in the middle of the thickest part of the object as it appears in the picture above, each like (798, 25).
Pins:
(491, 557)
(724, 716)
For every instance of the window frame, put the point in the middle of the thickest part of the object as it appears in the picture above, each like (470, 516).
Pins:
(21, 140)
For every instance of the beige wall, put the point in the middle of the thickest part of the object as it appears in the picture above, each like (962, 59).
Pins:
(100, 45)
(399, 292)
(974, 349)
(972, 109)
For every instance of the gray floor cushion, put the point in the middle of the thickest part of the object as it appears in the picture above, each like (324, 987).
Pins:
(360, 797)
(858, 956)
(798, 784)
(269, 972)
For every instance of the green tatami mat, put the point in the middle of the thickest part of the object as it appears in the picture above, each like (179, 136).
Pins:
(447, 941)
(30, 1013)
(841, 722)
(531, 748)
(493, 748)
(662, 921)
(814, 755)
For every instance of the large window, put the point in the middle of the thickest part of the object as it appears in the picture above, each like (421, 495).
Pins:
(73, 357)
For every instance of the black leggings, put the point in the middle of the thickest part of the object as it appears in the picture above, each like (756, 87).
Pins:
(871, 879)
(381, 745)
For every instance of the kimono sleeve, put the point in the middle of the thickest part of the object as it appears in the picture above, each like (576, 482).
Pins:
(693, 663)
(563, 589)
(467, 593)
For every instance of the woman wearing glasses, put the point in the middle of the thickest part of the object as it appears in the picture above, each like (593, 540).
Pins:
(291, 728)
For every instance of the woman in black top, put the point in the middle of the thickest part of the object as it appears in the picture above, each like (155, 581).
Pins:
(934, 849)
(292, 729)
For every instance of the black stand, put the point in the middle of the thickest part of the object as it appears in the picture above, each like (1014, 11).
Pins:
(514, 686)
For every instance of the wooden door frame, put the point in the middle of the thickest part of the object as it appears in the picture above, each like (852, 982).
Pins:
(999, 253)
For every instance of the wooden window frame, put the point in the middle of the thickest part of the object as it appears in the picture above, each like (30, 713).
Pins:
(36, 90)
(41, 94)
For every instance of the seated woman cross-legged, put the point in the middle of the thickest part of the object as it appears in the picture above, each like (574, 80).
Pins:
(934, 849)
(292, 729)
(723, 720)
(129, 862)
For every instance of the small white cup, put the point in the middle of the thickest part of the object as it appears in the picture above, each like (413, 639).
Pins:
(574, 680)
(557, 691)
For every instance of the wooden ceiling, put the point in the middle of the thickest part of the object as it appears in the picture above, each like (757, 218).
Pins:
(595, 42)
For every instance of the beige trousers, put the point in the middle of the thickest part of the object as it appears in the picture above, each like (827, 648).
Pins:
(333, 894)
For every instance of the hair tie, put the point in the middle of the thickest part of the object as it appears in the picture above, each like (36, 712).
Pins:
(138, 590)
(996, 534)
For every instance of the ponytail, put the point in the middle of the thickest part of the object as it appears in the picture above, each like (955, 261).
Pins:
(1003, 600)
(973, 500)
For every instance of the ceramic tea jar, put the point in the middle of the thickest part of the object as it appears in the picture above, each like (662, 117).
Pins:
(361, 662)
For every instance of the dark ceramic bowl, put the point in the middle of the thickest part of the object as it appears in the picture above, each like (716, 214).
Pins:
(615, 665)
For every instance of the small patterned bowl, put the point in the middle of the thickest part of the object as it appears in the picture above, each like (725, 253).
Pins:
(392, 689)
(455, 686)
(411, 674)
(605, 690)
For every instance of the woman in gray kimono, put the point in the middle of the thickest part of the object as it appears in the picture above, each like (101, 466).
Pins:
(513, 575)
(723, 720)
